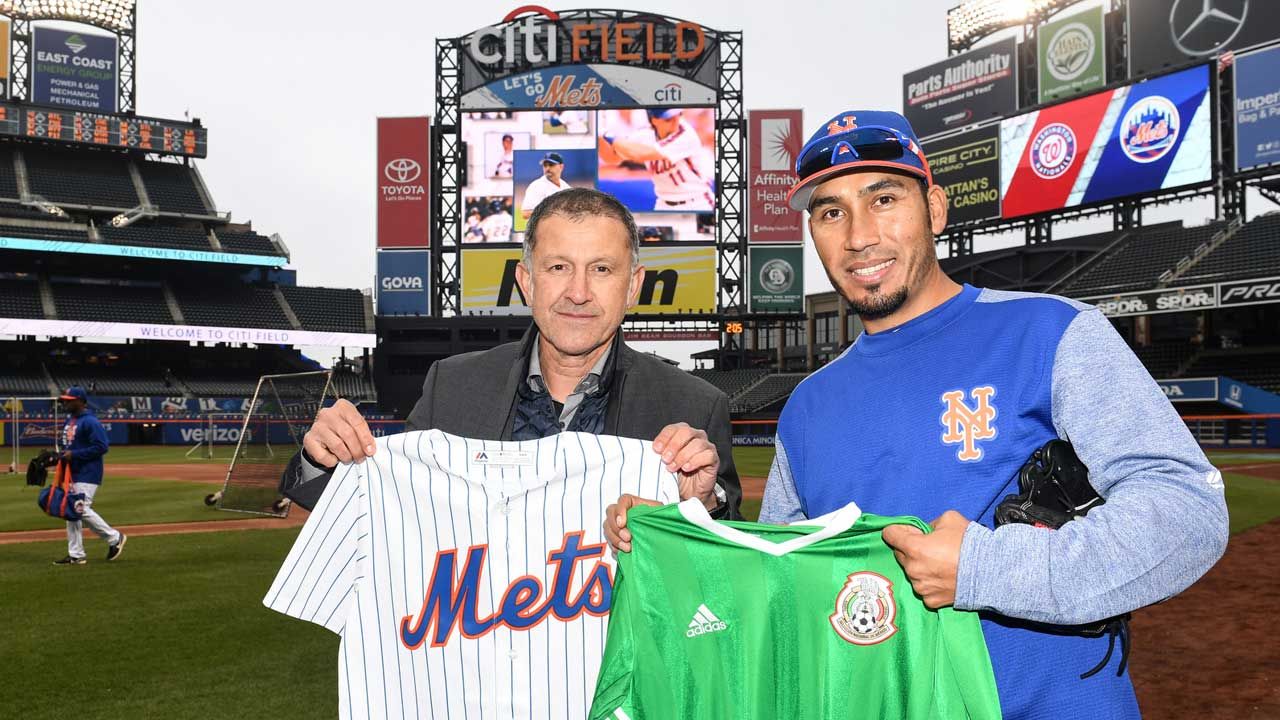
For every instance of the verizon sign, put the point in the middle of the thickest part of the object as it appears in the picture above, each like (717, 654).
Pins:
(404, 205)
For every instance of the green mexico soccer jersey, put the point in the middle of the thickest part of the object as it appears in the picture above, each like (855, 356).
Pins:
(743, 620)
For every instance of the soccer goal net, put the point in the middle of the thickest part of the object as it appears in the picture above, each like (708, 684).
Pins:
(27, 426)
(270, 433)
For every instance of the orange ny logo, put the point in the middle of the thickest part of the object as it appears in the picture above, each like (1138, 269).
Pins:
(966, 425)
(849, 123)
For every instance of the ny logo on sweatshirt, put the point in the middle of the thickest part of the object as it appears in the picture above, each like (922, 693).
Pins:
(965, 425)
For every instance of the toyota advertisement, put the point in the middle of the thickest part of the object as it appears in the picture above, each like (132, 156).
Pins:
(1154, 135)
(404, 205)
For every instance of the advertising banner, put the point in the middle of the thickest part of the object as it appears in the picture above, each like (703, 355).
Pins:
(184, 333)
(1249, 292)
(677, 280)
(777, 279)
(1152, 302)
(1154, 135)
(404, 167)
(588, 86)
(1178, 32)
(963, 89)
(1072, 55)
(967, 166)
(74, 69)
(1190, 389)
(774, 138)
(533, 38)
(1257, 109)
(5, 37)
(404, 282)
(139, 251)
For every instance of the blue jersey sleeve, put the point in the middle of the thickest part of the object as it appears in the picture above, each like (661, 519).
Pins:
(1164, 523)
(95, 436)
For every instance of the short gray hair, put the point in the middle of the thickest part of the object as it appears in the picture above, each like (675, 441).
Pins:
(575, 204)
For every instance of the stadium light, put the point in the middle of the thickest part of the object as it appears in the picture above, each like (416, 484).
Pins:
(114, 15)
(977, 19)
(125, 219)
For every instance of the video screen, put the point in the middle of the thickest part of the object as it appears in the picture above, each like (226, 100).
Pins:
(659, 163)
(1153, 135)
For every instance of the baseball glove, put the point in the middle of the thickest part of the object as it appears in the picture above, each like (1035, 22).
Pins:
(38, 468)
(1054, 489)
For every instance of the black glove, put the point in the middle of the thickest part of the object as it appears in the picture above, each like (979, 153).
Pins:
(1053, 490)
(38, 467)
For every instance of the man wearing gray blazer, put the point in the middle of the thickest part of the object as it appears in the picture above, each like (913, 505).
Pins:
(580, 274)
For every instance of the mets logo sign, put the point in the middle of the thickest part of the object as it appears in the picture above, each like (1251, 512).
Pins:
(1150, 129)
(965, 425)
(865, 609)
(1053, 150)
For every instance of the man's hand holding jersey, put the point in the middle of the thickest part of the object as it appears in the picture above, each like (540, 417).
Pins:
(339, 435)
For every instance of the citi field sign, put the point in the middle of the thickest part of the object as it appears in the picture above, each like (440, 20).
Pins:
(540, 58)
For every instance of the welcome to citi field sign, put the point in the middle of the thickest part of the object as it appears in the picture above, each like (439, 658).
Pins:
(538, 58)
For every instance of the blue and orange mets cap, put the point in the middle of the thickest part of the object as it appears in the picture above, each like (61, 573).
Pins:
(664, 113)
(75, 392)
(855, 140)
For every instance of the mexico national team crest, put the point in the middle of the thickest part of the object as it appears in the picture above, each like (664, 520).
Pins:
(865, 609)
(965, 425)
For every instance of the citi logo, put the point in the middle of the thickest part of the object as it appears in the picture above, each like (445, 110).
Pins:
(667, 93)
(705, 622)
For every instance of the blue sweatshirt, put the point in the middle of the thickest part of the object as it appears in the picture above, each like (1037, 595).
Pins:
(939, 414)
(85, 437)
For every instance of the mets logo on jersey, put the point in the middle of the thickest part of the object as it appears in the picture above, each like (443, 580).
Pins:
(965, 425)
(865, 609)
(1053, 150)
(1150, 129)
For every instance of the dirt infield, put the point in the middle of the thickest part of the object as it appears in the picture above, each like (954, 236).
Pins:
(297, 516)
(1207, 653)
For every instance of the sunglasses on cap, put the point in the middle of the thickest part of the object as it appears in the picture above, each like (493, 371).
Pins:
(866, 144)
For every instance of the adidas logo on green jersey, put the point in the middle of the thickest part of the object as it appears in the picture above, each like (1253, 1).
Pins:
(704, 621)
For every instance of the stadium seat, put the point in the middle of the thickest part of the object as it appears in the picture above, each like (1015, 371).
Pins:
(731, 382)
(111, 302)
(250, 243)
(327, 309)
(227, 306)
(1138, 263)
(1254, 251)
(8, 174)
(72, 232)
(178, 238)
(172, 187)
(771, 390)
(79, 177)
(20, 298)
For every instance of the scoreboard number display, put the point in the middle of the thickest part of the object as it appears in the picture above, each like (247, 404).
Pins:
(89, 128)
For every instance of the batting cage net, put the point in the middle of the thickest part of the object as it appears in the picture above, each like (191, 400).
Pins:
(27, 426)
(270, 432)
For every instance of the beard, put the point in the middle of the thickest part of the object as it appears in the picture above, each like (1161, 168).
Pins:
(878, 305)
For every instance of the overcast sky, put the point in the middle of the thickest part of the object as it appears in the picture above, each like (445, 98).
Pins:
(290, 92)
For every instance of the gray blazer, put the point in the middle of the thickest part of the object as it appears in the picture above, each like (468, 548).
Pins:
(474, 395)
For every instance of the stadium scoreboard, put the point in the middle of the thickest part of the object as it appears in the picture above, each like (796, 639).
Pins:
(104, 130)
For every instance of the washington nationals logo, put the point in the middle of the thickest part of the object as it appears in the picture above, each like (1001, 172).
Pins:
(965, 425)
(1053, 150)
(865, 609)
(1150, 129)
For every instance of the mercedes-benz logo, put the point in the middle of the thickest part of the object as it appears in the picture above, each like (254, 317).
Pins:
(402, 170)
(1203, 30)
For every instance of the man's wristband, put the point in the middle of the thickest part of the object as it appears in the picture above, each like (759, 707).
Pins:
(315, 464)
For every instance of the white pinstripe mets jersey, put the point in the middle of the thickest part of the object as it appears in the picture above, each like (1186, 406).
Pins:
(467, 578)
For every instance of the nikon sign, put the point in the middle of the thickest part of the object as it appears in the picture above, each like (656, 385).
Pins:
(1071, 55)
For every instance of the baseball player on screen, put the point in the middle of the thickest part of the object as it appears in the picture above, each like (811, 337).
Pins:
(497, 226)
(506, 165)
(549, 184)
(673, 154)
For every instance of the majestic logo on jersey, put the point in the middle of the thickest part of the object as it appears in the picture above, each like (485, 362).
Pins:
(967, 425)
(865, 609)
(451, 601)
(704, 622)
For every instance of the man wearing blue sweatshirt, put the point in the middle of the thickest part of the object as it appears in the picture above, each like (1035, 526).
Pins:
(934, 409)
(85, 442)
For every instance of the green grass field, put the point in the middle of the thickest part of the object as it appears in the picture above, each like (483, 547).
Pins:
(176, 628)
(151, 454)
